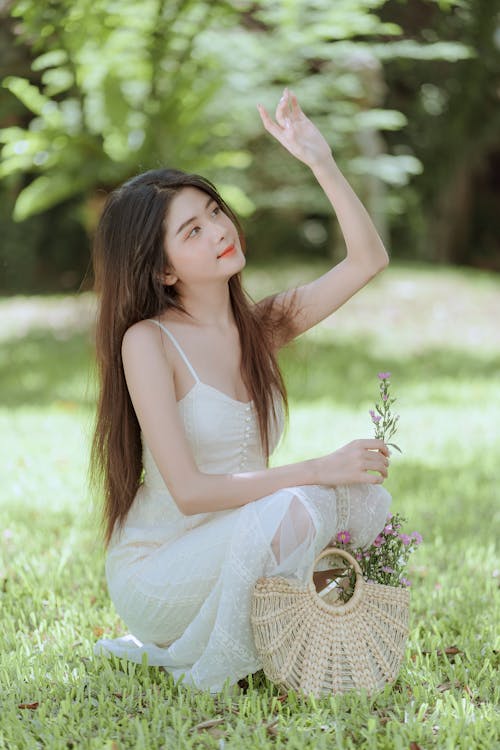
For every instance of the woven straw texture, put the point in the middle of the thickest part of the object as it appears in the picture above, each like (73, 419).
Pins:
(311, 646)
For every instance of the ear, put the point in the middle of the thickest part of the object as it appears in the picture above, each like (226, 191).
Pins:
(168, 279)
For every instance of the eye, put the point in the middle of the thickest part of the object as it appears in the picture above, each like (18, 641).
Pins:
(194, 231)
(215, 210)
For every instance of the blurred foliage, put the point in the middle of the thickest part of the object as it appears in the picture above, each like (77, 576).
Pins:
(449, 212)
(96, 90)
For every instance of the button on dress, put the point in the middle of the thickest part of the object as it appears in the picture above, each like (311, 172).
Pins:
(183, 584)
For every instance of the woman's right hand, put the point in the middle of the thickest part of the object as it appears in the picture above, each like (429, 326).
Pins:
(354, 463)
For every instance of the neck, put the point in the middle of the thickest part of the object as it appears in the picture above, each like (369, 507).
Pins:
(209, 307)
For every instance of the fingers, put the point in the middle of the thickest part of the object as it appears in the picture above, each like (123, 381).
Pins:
(374, 460)
(372, 479)
(268, 123)
(287, 108)
(374, 444)
(283, 109)
(295, 106)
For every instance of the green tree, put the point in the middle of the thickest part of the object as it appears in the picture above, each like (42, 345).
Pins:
(449, 212)
(117, 86)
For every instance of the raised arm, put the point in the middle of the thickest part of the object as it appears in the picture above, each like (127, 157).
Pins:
(150, 382)
(366, 254)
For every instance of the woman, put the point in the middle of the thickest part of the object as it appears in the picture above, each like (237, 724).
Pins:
(192, 405)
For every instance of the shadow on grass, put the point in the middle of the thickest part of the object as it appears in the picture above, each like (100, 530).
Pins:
(40, 369)
(346, 372)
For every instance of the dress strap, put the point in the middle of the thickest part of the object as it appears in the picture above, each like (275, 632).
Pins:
(178, 347)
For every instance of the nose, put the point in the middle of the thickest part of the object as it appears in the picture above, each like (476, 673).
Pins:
(219, 227)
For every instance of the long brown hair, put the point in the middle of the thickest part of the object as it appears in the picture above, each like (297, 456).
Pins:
(129, 262)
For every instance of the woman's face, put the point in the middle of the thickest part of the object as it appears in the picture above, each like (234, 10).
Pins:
(201, 241)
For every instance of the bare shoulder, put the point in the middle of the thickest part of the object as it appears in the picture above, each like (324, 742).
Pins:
(143, 331)
(142, 339)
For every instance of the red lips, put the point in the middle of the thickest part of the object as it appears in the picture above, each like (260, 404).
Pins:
(228, 250)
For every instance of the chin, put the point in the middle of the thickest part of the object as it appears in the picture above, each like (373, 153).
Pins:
(239, 263)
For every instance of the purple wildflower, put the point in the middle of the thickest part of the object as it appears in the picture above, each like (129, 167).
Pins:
(384, 375)
(405, 539)
(387, 569)
(378, 542)
(417, 537)
(343, 537)
(405, 582)
(376, 418)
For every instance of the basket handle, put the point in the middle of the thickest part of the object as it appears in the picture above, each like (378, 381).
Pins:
(339, 552)
(327, 552)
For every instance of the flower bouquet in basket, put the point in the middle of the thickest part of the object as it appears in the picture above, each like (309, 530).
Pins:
(385, 560)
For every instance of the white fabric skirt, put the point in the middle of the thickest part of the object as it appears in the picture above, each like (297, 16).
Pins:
(187, 603)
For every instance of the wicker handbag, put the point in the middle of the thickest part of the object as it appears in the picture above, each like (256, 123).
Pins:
(309, 645)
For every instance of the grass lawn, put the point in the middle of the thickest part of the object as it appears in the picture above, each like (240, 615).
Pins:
(437, 331)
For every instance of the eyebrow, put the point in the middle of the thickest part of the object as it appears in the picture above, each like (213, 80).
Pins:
(194, 218)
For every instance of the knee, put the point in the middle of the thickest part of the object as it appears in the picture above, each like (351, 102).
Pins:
(383, 503)
(296, 528)
(369, 515)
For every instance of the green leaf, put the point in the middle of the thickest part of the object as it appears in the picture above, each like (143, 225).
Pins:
(57, 80)
(409, 48)
(236, 198)
(393, 445)
(51, 59)
(392, 169)
(12, 134)
(28, 94)
(380, 119)
(43, 193)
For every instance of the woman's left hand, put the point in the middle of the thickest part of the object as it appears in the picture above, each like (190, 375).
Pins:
(296, 132)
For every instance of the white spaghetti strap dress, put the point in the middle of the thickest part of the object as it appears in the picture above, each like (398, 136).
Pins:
(183, 584)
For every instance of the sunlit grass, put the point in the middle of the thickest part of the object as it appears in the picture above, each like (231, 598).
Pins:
(437, 331)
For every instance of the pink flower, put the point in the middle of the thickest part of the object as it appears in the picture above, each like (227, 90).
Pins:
(384, 397)
(375, 417)
(417, 537)
(378, 542)
(343, 537)
(388, 529)
(358, 556)
(405, 539)
(384, 375)
(405, 582)
(387, 569)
